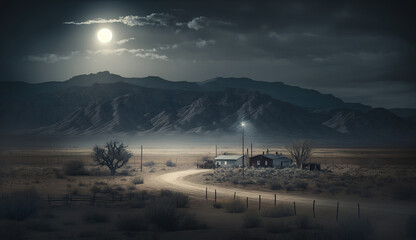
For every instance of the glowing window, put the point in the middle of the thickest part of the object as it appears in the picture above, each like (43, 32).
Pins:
(258, 162)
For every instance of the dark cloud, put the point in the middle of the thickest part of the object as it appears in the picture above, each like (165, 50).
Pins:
(359, 51)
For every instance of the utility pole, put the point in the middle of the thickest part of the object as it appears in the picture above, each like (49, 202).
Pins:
(251, 145)
(216, 150)
(141, 158)
(243, 124)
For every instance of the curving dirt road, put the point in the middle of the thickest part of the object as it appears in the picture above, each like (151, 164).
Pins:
(175, 181)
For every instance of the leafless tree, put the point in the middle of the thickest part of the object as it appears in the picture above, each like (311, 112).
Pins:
(301, 151)
(113, 155)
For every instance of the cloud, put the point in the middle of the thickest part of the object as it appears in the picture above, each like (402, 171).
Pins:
(154, 19)
(198, 23)
(123, 41)
(200, 43)
(150, 53)
(49, 57)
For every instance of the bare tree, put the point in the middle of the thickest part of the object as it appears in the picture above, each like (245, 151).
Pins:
(301, 151)
(113, 155)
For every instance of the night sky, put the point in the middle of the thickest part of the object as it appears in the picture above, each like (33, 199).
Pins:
(360, 52)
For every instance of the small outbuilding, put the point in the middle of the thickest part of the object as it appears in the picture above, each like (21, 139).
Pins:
(270, 160)
(229, 161)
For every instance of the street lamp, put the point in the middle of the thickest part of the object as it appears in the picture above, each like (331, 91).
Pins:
(242, 125)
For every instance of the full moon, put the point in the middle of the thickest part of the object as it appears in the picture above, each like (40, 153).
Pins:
(104, 35)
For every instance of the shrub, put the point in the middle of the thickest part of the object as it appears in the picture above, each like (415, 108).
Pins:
(261, 182)
(251, 220)
(58, 173)
(20, 205)
(149, 164)
(177, 199)
(279, 211)
(301, 184)
(95, 189)
(235, 206)
(95, 217)
(124, 173)
(75, 168)
(137, 180)
(131, 223)
(354, 229)
(275, 185)
(131, 188)
(217, 205)
(162, 214)
(188, 221)
(169, 163)
(280, 227)
(410, 226)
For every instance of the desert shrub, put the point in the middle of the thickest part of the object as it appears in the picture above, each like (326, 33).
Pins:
(124, 173)
(234, 181)
(169, 163)
(107, 189)
(300, 184)
(282, 210)
(334, 190)
(75, 168)
(81, 184)
(278, 227)
(40, 226)
(131, 187)
(275, 185)
(11, 230)
(58, 173)
(175, 198)
(95, 217)
(354, 229)
(119, 188)
(246, 182)
(188, 221)
(19, 205)
(289, 187)
(95, 189)
(235, 206)
(410, 226)
(261, 182)
(217, 205)
(130, 223)
(101, 183)
(251, 220)
(137, 180)
(149, 164)
(162, 214)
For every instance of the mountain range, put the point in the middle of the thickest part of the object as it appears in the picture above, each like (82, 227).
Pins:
(106, 103)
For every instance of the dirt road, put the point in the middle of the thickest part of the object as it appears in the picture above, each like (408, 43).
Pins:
(176, 181)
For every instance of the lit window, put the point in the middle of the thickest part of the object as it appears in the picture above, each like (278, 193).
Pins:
(225, 163)
(265, 163)
(258, 162)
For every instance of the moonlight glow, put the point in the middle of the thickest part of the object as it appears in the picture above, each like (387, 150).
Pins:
(104, 35)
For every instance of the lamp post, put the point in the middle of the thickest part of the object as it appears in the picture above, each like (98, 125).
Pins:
(242, 125)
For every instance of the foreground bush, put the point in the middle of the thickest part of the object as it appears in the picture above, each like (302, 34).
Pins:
(169, 163)
(149, 164)
(251, 220)
(278, 212)
(137, 180)
(177, 199)
(162, 214)
(131, 223)
(235, 206)
(75, 168)
(20, 205)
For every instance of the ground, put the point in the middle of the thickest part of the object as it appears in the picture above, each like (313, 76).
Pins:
(382, 169)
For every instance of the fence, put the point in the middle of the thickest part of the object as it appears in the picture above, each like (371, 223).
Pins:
(95, 199)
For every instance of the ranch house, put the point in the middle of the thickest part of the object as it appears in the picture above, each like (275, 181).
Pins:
(270, 160)
(229, 161)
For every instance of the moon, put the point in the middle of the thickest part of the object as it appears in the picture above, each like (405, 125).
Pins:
(104, 35)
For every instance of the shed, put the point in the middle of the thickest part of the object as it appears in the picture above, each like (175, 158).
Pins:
(229, 160)
(270, 160)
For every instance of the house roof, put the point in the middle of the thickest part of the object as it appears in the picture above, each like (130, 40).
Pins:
(276, 157)
(229, 157)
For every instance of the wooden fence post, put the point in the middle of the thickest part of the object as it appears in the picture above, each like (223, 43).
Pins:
(234, 195)
(358, 205)
(206, 193)
(275, 199)
(294, 207)
(314, 208)
(259, 202)
(215, 195)
(337, 211)
(247, 202)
